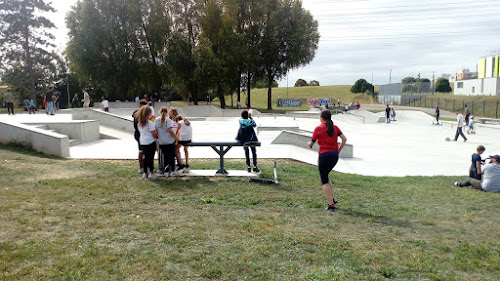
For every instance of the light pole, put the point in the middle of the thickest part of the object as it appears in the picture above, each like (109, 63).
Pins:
(67, 89)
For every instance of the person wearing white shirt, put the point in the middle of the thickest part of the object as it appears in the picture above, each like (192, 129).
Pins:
(185, 136)
(147, 140)
(460, 125)
(491, 177)
(105, 104)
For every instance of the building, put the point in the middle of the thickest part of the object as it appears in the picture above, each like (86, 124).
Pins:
(487, 82)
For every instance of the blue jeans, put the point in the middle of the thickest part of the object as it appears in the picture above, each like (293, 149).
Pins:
(50, 107)
(247, 155)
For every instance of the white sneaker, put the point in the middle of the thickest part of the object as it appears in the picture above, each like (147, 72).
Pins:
(152, 176)
(144, 175)
(167, 174)
(141, 171)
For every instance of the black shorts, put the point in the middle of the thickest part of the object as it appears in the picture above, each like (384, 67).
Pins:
(184, 142)
(325, 166)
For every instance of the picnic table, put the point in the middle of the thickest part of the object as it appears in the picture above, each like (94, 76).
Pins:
(222, 148)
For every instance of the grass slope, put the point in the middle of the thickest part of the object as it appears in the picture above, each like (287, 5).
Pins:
(259, 96)
(98, 220)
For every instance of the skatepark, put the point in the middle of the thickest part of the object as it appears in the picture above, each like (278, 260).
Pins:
(410, 146)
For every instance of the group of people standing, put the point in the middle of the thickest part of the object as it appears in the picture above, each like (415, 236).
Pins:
(390, 114)
(166, 134)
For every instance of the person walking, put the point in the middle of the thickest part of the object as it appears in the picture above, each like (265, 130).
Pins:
(327, 134)
(437, 115)
(74, 101)
(388, 114)
(9, 101)
(50, 101)
(467, 115)
(147, 140)
(460, 125)
(86, 99)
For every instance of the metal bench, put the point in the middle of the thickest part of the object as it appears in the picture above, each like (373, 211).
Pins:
(222, 148)
(484, 120)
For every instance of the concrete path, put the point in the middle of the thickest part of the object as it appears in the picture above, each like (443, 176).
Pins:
(411, 146)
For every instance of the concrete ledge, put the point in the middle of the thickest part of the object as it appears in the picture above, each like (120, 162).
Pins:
(105, 118)
(39, 139)
(130, 104)
(301, 139)
(83, 131)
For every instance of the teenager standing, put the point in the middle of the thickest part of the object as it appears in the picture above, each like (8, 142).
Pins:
(147, 140)
(327, 136)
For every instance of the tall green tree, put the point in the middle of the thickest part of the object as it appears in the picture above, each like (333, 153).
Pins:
(24, 35)
(105, 47)
(46, 69)
(361, 86)
(290, 40)
(443, 85)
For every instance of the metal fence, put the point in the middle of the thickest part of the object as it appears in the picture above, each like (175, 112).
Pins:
(479, 105)
(401, 89)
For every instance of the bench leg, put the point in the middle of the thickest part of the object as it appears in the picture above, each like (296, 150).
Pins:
(221, 151)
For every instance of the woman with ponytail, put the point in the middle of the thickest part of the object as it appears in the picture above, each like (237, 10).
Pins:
(326, 135)
(147, 140)
(166, 139)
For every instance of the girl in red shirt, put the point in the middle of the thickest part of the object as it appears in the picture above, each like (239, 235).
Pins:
(326, 135)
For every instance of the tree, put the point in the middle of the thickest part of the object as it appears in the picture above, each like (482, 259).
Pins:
(24, 35)
(443, 85)
(361, 86)
(117, 45)
(46, 69)
(301, 83)
(290, 40)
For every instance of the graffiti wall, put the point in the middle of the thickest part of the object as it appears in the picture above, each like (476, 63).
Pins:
(289, 102)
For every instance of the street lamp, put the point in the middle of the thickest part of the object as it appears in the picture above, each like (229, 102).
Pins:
(67, 89)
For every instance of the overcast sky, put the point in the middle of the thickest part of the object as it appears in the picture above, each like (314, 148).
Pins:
(365, 37)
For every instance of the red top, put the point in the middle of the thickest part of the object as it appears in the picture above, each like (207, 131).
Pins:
(326, 143)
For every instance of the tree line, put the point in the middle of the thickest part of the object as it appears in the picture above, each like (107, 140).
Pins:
(128, 48)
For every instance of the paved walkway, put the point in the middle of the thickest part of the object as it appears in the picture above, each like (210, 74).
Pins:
(411, 146)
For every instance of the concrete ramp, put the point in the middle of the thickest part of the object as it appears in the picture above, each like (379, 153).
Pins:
(367, 116)
(211, 111)
(105, 118)
(301, 138)
(41, 140)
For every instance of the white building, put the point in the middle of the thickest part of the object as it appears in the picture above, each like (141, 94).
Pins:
(487, 83)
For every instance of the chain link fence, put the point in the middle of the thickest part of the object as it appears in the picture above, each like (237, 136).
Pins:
(420, 94)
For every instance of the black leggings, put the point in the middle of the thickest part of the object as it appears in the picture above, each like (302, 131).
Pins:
(167, 157)
(10, 107)
(325, 165)
(149, 156)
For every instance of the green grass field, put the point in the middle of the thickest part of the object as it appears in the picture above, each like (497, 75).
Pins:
(259, 96)
(98, 220)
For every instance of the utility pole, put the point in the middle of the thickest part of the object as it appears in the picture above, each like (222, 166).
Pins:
(433, 86)
(390, 75)
(67, 89)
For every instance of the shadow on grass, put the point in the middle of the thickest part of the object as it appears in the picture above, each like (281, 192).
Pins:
(26, 150)
(376, 218)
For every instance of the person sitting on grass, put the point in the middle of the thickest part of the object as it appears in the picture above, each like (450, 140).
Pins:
(246, 133)
(491, 177)
(475, 168)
